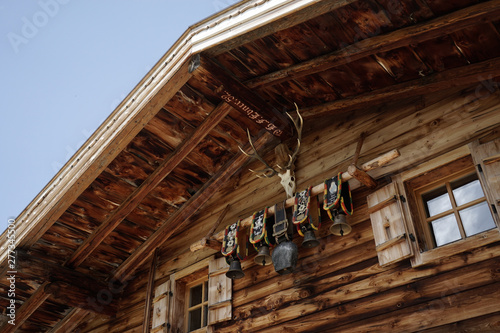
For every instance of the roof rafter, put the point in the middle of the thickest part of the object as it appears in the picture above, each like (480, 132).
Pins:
(134, 199)
(457, 77)
(383, 43)
(180, 217)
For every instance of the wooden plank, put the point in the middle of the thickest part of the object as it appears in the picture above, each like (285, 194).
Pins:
(391, 242)
(486, 323)
(470, 304)
(487, 159)
(68, 286)
(161, 310)
(286, 304)
(457, 77)
(382, 43)
(28, 307)
(220, 292)
(389, 226)
(187, 210)
(72, 295)
(302, 12)
(421, 292)
(248, 103)
(165, 168)
(70, 321)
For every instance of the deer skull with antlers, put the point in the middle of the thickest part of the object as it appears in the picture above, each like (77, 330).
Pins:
(284, 159)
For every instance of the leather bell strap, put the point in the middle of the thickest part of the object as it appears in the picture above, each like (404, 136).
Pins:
(306, 213)
(280, 227)
(259, 229)
(337, 196)
(232, 245)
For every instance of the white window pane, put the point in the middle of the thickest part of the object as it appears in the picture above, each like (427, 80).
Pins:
(446, 230)
(437, 203)
(468, 192)
(477, 219)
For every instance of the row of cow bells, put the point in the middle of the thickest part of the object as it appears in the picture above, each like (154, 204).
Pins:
(285, 255)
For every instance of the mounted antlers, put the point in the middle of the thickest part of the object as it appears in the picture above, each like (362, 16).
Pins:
(285, 160)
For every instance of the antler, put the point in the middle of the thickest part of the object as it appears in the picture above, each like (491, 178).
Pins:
(299, 123)
(269, 171)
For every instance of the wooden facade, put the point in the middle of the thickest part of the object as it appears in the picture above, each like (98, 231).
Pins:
(112, 244)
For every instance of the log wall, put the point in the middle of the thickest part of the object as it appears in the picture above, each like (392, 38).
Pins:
(339, 286)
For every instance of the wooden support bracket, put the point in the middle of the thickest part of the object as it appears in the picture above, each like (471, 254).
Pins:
(358, 173)
(318, 189)
(207, 241)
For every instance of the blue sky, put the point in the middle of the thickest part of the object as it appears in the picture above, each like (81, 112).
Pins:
(65, 65)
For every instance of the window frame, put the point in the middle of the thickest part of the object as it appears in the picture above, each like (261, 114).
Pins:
(454, 162)
(180, 281)
(203, 281)
(455, 208)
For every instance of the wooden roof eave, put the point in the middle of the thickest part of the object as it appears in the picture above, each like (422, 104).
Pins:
(141, 105)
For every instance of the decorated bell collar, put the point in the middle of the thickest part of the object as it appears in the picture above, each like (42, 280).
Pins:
(338, 203)
(233, 246)
(307, 216)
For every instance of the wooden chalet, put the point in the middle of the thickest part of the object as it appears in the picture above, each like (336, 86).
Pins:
(402, 97)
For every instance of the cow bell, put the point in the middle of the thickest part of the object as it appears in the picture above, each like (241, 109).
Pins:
(235, 271)
(310, 240)
(263, 257)
(340, 227)
(285, 257)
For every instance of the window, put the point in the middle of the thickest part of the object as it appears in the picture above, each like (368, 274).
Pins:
(439, 208)
(197, 305)
(454, 208)
(193, 298)
(452, 202)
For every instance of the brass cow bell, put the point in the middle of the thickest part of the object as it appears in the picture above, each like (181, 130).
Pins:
(263, 257)
(309, 239)
(285, 256)
(235, 271)
(340, 227)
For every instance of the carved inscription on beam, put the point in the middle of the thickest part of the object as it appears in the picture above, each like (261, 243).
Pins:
(240, 97)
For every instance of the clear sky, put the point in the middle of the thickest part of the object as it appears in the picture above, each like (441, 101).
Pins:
(65, 65)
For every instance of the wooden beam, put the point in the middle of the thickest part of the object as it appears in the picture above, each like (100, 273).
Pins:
(438, 27)
(70, 322)
(269, 22)
(68, 286)
(28, 307)
(361, 176)
(133, 200)
(457, 77)
(318, 189)
(247, 102)
(207, 241)
(73, 295)
(182, 216)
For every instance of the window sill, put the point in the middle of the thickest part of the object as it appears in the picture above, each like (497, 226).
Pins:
(446, 251)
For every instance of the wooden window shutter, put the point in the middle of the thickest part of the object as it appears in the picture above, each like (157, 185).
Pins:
(161, 308)
(219, 292)
(389, 227)
(486, 157)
